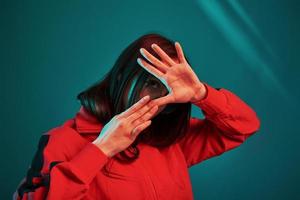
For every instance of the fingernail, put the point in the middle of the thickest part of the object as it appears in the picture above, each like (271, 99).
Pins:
(145, 98)
(139, 61)
(141, 50)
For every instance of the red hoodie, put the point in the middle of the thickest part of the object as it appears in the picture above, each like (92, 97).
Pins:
(67, 165)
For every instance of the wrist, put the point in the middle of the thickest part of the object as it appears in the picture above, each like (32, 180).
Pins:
(107, 149)
(201, 93)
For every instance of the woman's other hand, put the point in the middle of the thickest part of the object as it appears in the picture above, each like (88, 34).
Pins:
(121, 131)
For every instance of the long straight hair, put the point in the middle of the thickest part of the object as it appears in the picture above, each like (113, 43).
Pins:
(104, 99)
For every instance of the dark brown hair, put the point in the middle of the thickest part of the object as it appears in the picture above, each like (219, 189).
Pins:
(104, 98)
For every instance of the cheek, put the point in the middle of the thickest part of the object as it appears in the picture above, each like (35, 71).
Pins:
(144, 93)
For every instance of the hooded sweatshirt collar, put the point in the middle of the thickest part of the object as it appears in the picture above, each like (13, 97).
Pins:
(85, 122)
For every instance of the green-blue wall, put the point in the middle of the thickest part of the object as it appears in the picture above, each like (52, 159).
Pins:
(51, 50)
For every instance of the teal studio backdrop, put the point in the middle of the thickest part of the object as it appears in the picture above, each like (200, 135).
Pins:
(52, 50)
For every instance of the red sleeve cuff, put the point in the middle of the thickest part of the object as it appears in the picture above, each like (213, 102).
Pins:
(88, 162)
(214, 102)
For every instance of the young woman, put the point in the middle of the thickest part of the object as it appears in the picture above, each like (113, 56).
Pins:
(134, 137)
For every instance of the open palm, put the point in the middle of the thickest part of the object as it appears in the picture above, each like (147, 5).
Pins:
(178, 77)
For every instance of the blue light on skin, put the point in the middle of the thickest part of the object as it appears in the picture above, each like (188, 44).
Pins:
(163, 88)
(162, 84)
(175, 59)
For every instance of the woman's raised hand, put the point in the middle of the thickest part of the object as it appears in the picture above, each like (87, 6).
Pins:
(178, 76)
(121, 131)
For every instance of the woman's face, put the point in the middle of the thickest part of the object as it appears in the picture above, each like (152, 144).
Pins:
(152, 87)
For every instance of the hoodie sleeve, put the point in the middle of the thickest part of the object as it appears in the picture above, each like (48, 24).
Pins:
(228, 122)
(52, 176)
